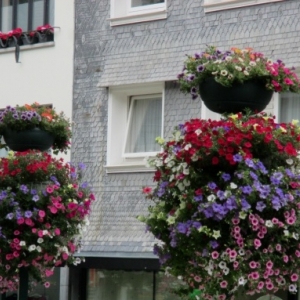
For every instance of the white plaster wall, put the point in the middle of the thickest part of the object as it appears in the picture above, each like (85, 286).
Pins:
(44, 74)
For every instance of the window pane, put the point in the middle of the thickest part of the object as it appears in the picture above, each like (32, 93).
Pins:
(6, 15)
(23, 15)
(145, 125)
(165, 285)
(119, 285)
(38, 13)
(289, 107)
(51, 12)
(135, 3)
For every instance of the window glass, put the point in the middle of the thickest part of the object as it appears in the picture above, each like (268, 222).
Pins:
(145, 125)
(6, 15)
(22, 18)
(165, 287)
(38, 13)
(51, 12)
(135, 3)
(289, 107)
(23, 10)
(119, 285)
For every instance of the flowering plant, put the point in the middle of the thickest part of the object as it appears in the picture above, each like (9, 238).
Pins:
(44, 209)
(236, 66)
(45, 117)
(225, 205)
(45, 29)
(5, 37)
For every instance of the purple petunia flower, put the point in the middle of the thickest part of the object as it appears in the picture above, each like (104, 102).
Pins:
(253, 175)
(36, 198)
(276, 178)
(276, 203)
(24, 189)
(245, 205)
(231, 203)
(221, 195)
(211, 185)
(260, 206)
(214, 244)
(237, 158)
(246, 189)
(226, 177)
(28, 214)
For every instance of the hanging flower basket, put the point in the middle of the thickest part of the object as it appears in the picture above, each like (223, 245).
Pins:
(251, 75)
(35, 126)
(237, 227)
(251, 94)
(34, 138)
(44, 209)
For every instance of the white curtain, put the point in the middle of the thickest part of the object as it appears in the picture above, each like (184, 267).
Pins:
(145, 125)
(136, 3)
(289, 107)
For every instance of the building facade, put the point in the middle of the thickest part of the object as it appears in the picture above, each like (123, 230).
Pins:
(127, 57)
(43, 73)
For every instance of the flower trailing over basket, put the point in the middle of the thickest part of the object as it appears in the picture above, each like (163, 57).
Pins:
(44, 208)
(236, 66)
(225, 205)
(45, 117)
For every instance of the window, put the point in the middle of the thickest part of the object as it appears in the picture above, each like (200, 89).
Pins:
(143, 126)
(215, 5)
(135, 119)
(135, 11)
(135, 3)
(289, 107)
(26, 14)
(129, 285)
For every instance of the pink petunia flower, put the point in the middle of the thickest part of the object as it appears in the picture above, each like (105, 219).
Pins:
(224, 284)
(294, 277)
(214, 254)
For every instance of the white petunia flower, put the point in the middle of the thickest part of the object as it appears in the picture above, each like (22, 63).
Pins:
(31, 248)
(211, 198)
(269, 223)
(233, 185)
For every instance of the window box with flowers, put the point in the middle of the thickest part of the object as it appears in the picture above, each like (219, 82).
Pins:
(230, 81)
(17, 36)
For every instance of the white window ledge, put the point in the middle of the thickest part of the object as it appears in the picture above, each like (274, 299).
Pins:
(137, 18)
(27, 47)
(128, 169)
(216, 5)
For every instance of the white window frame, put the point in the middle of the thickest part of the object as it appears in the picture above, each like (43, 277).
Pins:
(122, 13)
(216, 5)
(118, 111)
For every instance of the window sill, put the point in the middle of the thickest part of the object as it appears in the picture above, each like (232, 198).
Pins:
(216, 5)
(27, 47)
(137, 168)
(137, 18)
